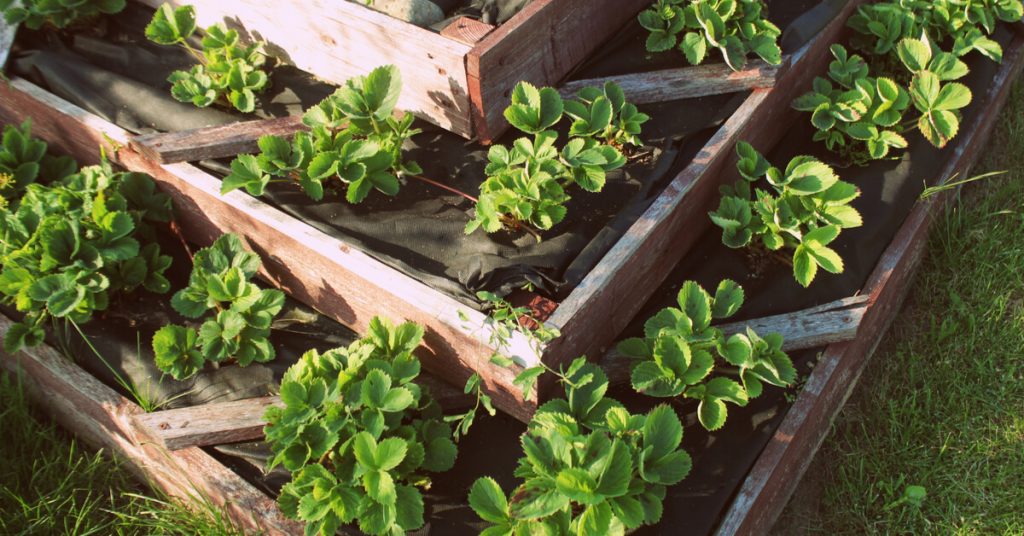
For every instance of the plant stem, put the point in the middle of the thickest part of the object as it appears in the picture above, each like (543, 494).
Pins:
(176, 231)
(455, 191)
(195, 53)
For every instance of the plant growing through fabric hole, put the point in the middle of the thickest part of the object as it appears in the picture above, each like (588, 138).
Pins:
(227, 73)
(236, 314)
(526, 183)
(69, 247)
(359, 435)
(681, 355)
(881, 26)
(355, 138)
(804, 209)
(57, 13)
(736, 28)
(589, 465)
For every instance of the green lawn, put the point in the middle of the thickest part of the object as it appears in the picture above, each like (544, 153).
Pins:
(940, 406)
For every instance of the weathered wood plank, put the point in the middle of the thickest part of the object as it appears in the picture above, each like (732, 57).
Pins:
(787, 456)
(628, 275)
(337, 39)
(328, 274)
(100, 416)
(7, 34)
(833, 322)
(208, 424)
(540, 45)
(683, 83)
(467, 30)
(212, 142)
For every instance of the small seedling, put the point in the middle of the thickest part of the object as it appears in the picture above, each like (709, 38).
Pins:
(227, 72)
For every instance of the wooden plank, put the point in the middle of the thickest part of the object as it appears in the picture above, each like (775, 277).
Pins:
(207, 424)
(467, 30)
(540, 45)
(834, 322)
(100, 416)
(327, 273)
(7, 34)
(787, 456)
(212, 142)
(683, 83)
(337, 39)
(634, 268)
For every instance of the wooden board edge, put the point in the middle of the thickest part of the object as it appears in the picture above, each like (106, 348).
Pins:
(100, 416)
(785, 459)
(458, 340)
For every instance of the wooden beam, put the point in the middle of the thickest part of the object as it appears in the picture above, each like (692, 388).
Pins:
(638, 263)
(7, 34)
(336, 40)
(833, 322)
(684, 83)
(101, 417)
(467, 30)
(323, 271)
(212, 142)
(788, 454)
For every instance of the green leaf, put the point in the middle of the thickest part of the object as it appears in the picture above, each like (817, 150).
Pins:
(804, 266)
(170, 26)
(693, 46)
(696, 303)
(662, 432)
(915, 54)
(728, 299)
(409, 508)
(952, 97)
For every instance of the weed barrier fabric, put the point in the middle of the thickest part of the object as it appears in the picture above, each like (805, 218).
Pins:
(114, 73)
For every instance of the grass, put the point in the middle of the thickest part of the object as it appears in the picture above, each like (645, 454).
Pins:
(50, 484)
(941, 405)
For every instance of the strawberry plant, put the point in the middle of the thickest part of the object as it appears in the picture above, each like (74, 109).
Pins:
(735, 27)
(23, 161)
(939, 104)
(589, 465)
(354, 138)
(56, 13)
(69, 247)
(227, 73)
(804, 209)
(526, 183)
(359, 435)
(965, 24)
(236, 313)
(678, 354)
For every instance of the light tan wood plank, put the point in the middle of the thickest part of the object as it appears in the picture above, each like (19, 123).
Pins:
(684, 83)
(337, 39)
(467, 30)
(208, 424)
(540, 45)
(322, 271)
(100, 416)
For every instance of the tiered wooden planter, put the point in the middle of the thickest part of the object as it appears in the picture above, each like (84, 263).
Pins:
(352, 287)
(95, 412)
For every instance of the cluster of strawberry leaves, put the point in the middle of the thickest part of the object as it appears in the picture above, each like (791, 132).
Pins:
(74, 240)
(359, 435)
(964, 24)
(735, 27)
(804, 209)
(678, 353)
(862, 118)
(35, 14)
(354, 137)
(589, 466)
(526, 183)
(228, 73)
(237, 314)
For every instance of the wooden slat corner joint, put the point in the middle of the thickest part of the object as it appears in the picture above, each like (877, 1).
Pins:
(467, 30)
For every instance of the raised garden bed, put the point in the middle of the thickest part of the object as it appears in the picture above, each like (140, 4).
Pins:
(789, 438)
(331, 274)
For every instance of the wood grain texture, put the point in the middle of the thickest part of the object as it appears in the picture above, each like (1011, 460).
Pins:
(337, 39)
(322, 271)
(208, 424)
(601, 306)
(7, 34)
(212, 142)
(834, 322)
(683, 83)
(467, 30)
(788, 454)
(540, 45)
(101, 417)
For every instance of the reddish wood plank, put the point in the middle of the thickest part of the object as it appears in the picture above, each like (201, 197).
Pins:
(100, 416)
(540, 45)
(602, 305)
(785, 459)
